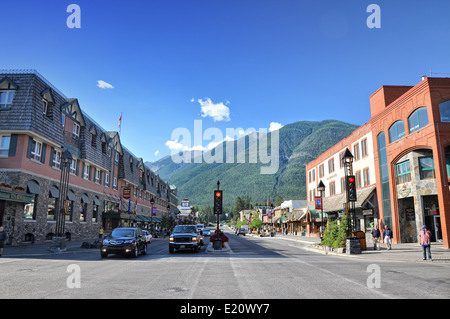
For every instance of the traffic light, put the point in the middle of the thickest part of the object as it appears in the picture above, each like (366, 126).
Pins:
(351, 188)
(218, 202)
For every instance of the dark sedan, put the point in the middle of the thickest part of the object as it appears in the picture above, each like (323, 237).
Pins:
(128, 241)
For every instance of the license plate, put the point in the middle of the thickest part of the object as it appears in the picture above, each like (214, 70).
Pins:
(181, 246)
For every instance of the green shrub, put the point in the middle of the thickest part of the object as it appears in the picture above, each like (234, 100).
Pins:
(336, 234)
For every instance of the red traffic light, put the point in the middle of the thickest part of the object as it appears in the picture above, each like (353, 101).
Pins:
(218, 194)
(351, 179)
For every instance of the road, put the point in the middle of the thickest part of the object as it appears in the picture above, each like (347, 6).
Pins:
(257, 268)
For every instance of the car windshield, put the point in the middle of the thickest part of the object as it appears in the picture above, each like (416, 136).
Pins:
(122, 232)
(185, 229)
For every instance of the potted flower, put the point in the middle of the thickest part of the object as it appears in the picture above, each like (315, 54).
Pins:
(5, 186)
(19, 189)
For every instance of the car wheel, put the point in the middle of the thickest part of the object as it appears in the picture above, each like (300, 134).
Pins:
(171, 250)
(144, 252)
(136, 252)
(104, 255)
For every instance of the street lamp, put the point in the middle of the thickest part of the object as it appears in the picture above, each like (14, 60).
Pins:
(66, 160)
(347, 161)
(321, 189)
(152, 201)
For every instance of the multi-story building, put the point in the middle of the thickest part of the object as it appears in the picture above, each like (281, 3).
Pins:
(408, 143)
(328, 168)
(37, 124)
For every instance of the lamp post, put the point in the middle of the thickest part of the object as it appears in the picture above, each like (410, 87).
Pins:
(58, 241)
(321, 189)
(152, 201)
(347, 161)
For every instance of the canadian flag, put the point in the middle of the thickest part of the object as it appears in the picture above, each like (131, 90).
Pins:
(120, 121)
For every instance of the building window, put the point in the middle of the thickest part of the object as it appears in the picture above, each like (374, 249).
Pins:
(444, 109)
(356, 154)
(73, 167)
(115, 183)
(106, 179)
(76, 130)
(358, 179)
(343, 185)
(403, 171)
(418, 119)
(396, 131)
(6, 98)
(94, 213)
(321, 171)
(57, 159)
(97, 176)
(51, 208)
(364, 150)
(83, 211)
(332, 188)
(366, 177)
(426, 167)
(36, 150)
(86, 171)
(384, 175)
(331, 165)
(4, 145)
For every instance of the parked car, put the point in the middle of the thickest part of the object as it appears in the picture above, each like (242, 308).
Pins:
(148, 236)
(185, 237)
(241, 231)
(207, 232)
(125, 241)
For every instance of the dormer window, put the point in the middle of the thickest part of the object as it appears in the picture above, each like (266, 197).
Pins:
(7, 90)
(76, 130)
(44, 106)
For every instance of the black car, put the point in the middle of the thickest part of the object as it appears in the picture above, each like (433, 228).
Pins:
(124, 241)
(185, 237)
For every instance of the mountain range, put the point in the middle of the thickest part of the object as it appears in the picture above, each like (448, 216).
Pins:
(299, 143)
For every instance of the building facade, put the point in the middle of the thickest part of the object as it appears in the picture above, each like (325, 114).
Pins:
(37, 124)
(401, 164)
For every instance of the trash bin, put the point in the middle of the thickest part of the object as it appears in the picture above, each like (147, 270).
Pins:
(362, 239)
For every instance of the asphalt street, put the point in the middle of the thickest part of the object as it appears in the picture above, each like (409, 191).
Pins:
(256, 268)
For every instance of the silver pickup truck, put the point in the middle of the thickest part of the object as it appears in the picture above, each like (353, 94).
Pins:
(185, 237)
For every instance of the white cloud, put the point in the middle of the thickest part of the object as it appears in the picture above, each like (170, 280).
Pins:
(176, 146)
(192, 100)
(104, 85)
(275, 126)
(218, 111)
(156, 153)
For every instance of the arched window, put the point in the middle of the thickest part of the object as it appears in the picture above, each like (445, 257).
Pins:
(444, 109)
(418, 119)
(396, 131)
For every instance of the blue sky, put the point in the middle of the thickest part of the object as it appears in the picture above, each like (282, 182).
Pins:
(263, 61)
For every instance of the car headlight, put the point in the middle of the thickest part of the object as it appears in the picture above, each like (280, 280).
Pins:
(171, 239)
(194, 238)
(128, 241)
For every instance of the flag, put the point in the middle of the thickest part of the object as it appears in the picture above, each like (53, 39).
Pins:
(120, 204)
(120, 121)
(135, 207)
(129, 206)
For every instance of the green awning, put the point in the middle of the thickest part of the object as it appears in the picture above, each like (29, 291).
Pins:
(33, 187)
(54, 192)
(70, 195)
(84, 198)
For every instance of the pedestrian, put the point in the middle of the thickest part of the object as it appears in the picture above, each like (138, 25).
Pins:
(100, 233)
(376, 238)
(425, 241)
(3, 237)
(387, 235)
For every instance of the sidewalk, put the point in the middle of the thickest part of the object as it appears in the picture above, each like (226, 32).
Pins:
(42, 249)
(400, 252)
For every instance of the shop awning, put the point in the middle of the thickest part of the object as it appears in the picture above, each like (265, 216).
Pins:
(54, 192)
(33, 188)
(96, 201)
(84, 198)
(70, 195)
(336, 203)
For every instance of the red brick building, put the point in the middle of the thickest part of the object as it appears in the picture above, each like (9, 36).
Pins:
(408, 163)
(411, 130)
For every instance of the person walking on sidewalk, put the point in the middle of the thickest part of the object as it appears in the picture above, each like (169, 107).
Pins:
(425, 241)
(376, 238)
(387, 235)
(3, 237)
